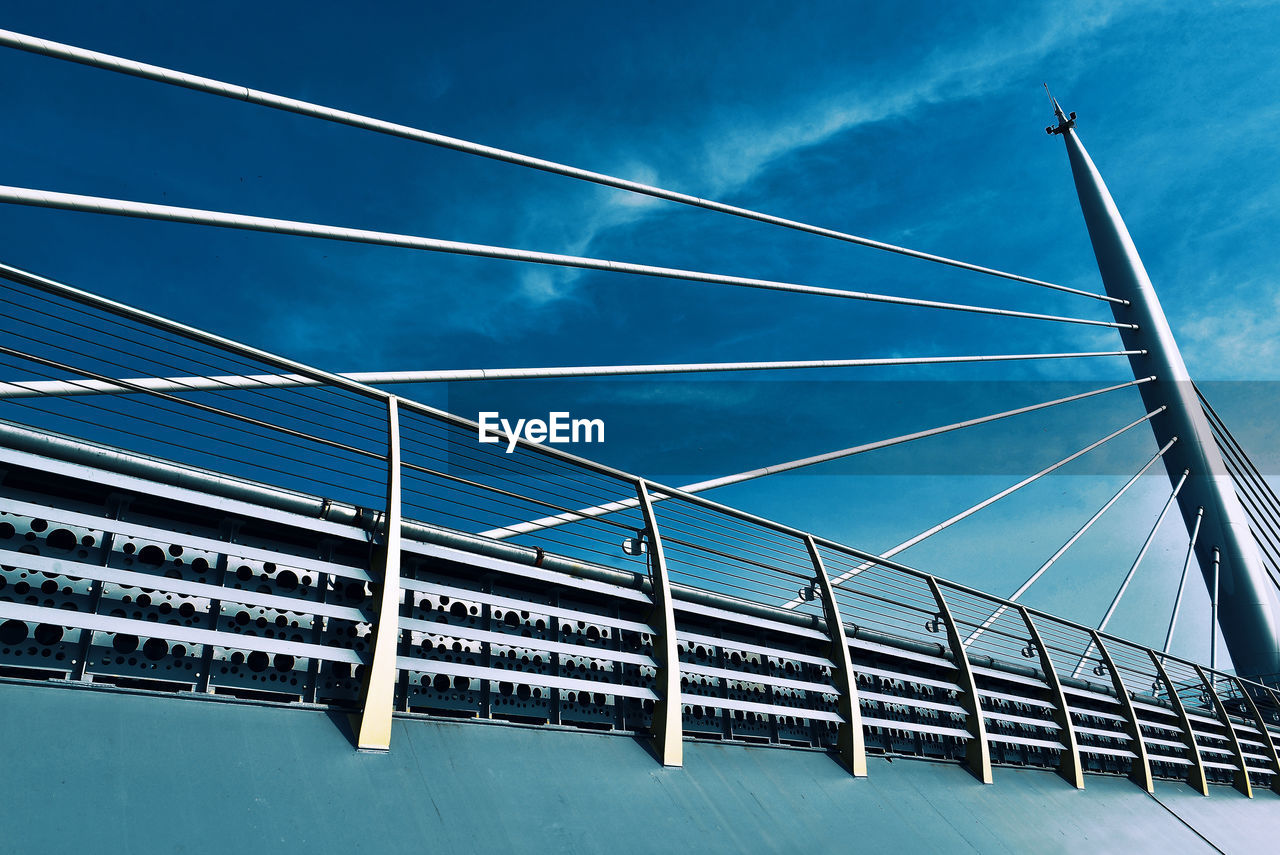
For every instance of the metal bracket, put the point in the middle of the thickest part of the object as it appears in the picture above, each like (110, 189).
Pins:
(977, 752)
(1140, 769)
(378, 697)
(1070, 765)
(668, 718)
(1195, 775)
(851, 739)
(1241, 780)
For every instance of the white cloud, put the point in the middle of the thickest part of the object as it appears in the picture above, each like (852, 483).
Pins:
(733, 150)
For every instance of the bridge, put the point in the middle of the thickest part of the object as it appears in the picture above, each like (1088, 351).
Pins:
(230, 578)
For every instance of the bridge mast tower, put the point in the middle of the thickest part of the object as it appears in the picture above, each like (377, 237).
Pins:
(1249, 609)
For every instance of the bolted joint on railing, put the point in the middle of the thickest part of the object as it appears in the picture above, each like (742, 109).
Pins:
(373, 729)
(1264, 735)
(1070, 765)
(1140, 769)
(667, 724)
(851, 741)
(1196, 776)
(978, 750)
(1240, 780)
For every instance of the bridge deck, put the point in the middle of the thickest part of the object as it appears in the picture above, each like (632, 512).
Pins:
(111, 772)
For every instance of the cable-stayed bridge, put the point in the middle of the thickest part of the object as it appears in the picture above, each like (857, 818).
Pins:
(186, 516)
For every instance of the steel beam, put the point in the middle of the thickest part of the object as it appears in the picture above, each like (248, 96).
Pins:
(1241, 779)
(668, 719)
(1140, 769)
(851, 741)
(1070, 765)
(374, 729)
(1250, 603)
(1195, 774)
(977, 751)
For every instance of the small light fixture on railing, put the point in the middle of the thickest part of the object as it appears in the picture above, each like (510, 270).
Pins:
(935, 625)
(635, 545)
(1029, 652)
(808, 593)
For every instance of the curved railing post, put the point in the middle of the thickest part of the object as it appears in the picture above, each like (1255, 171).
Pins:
(1241, 779)
(667, 722)
(1195, 775)
(851, 740)
(1070, 765)
(977, 751)
(1264, 735)
(374, 729)
(1140, 769)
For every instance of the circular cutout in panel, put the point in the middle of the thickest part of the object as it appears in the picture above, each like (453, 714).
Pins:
(125, 643)
(155, 649)
(13, 632)
(61, 538)
(151, 555)
(48, 634)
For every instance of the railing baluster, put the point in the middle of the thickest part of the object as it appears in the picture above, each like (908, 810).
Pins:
(1195, 775)
(1241, 781)
(1140, 769)
(977, 751)
(1070, 765)
(374, 730)
(851, 740)
(1269, 747)
(668, 720)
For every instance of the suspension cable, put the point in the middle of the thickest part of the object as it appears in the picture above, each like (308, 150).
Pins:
(221, 219)
(173, 77)
(991, 500)
(1111, 610)
(1062, 550)
(752, 474)
(40, 388)
(1182, 584)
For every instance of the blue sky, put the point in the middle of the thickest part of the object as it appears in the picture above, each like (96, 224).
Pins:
(920, 124)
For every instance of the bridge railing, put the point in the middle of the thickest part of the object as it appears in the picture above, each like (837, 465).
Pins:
(161, 529)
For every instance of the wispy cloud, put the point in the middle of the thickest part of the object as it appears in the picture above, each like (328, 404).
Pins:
(725, 156)
(1239, 332)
